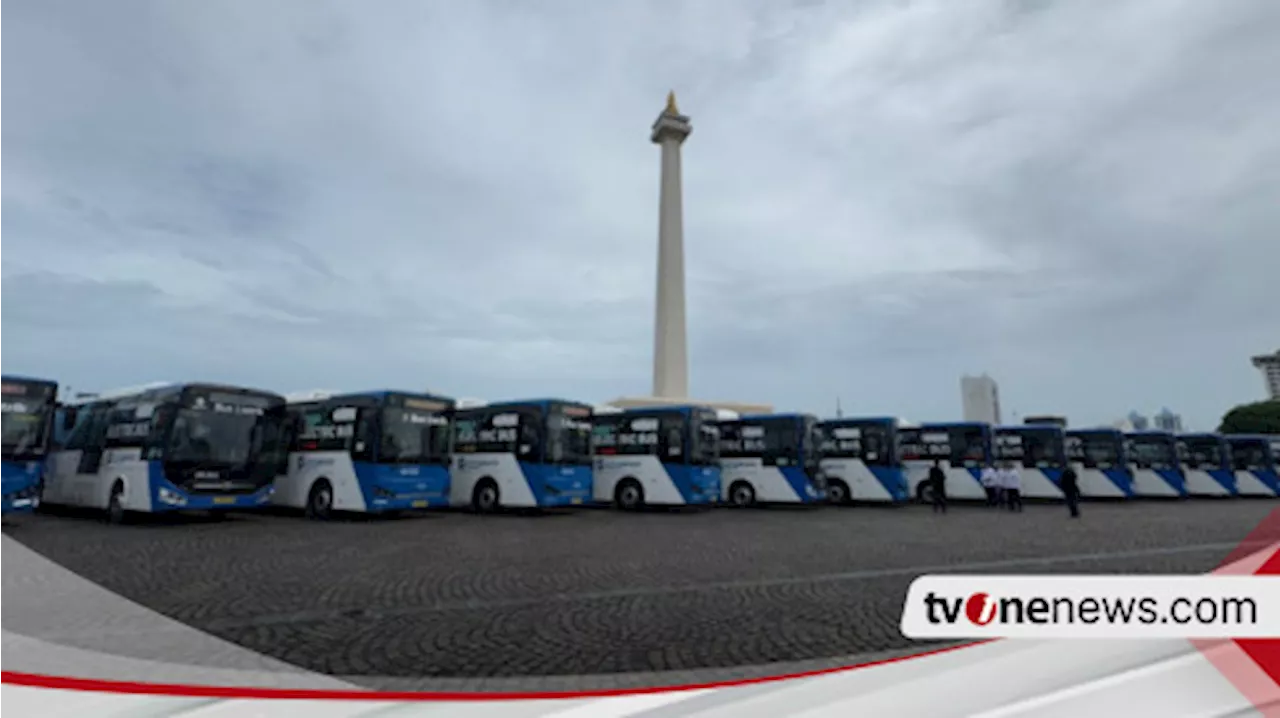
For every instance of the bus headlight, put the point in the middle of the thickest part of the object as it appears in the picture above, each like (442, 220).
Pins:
(171, 497)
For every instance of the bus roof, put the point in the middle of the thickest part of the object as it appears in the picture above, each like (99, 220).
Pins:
(27, 379)
(120, 393)
(1268, 438)
(663, 408)
(543, 403)
(381, 394)
(783, 415)
(960, 424)
(1029, 428)
(1202, 435)
(850, 420)
(1097, 430)
(159, 387)
(1151, 433)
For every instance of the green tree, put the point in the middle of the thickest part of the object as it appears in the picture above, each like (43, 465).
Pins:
(1261, 417)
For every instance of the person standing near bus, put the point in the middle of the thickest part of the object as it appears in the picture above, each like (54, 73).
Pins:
(1011, 481)
(938, 486)
(991, 484)
(1071, 491)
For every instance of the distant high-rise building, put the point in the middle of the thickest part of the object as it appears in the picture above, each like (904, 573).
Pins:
(1168, 421)
(1138, 421)
(980, 399)
(1269, 365)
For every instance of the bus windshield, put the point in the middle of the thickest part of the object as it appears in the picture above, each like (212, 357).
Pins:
(1094, 450)
(1249, 454)
(569, 436)
(413, 437)
(1201, 452)
(705, 432)
(1151, 452)
(25, 418)
(218, 428)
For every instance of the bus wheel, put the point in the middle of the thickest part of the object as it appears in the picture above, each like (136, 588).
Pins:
(924, 493)
(320, 501)
(741, 494)
(115, 504)
(485, 497)
(629, 496)
(838, 492)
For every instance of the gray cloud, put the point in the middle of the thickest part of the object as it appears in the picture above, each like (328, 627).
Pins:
(879, 197)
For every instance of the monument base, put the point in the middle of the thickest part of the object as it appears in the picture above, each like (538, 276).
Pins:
(648, 401)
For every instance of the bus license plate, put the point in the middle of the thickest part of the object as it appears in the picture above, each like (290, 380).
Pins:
(419, 504)
(224, 500)
(577, 501)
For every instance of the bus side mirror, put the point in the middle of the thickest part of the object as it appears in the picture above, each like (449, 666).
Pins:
(69, 418)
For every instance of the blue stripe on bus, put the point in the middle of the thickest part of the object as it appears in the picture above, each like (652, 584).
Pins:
(1269, 478)
(410, 483)
(1227, 479)
(893, 479)
(1174, 478)
(558, 485)
(799, 482)
(1122, 479)
(1053, 475)
(696, 484)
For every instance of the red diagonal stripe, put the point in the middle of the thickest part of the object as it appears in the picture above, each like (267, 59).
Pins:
(1265, 653)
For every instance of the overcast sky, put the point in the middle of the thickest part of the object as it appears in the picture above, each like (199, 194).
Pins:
(1078, 198)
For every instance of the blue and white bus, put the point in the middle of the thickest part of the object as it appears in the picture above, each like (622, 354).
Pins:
(665, 455)
(370, 452)
(962, 449)
(860, 461)
(1039, 453)
(522, 454)
(1206, 464)
(771, 458)
(1253, 459)
(28, 409)
(1153, 462)
(169, 447)
(1101, 465)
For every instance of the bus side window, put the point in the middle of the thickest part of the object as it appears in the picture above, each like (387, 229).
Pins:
(730, 441)
(671, 438)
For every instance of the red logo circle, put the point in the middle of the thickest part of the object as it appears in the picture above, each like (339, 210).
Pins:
(980, 609)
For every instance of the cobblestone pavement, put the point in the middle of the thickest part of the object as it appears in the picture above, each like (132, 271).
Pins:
(589, 592)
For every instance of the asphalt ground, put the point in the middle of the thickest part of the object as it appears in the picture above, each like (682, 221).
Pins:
(452, 595)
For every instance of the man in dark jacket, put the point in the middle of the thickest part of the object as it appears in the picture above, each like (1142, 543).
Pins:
(938, 486)
(1071, 491)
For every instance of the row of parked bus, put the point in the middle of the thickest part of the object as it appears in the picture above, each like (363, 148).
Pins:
(172, 447)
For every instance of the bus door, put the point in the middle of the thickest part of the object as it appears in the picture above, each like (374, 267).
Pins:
(969, 447)
(95, 440)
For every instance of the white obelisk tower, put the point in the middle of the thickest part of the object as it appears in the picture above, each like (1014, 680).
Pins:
(670, 350)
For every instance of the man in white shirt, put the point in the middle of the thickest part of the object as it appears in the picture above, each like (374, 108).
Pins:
(1011, 482)
(991, 484)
